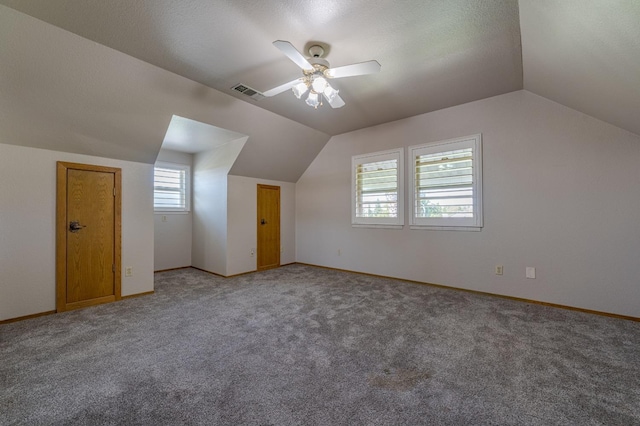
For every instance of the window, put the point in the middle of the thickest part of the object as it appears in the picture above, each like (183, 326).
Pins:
(171, 187)
(446, 184)
(377, 189)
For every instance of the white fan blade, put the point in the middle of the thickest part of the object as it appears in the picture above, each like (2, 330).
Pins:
(281, 88)
(352, 70)
(337, 101)
(293, 54)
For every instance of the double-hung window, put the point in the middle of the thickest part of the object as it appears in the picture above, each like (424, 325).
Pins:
(446, 184)
(377, 189)
(171, 187)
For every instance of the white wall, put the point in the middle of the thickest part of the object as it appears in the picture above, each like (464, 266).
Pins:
(560, 194)
(27, 227)
(172, 236)
(210, 170)
(242, 222)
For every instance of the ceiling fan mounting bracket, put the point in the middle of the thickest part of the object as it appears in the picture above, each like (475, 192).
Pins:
(316, 51)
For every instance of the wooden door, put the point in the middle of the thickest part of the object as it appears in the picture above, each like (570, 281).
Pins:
(268, 227)
(88, 235)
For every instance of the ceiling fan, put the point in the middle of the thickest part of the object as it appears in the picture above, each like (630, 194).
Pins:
(316, 73)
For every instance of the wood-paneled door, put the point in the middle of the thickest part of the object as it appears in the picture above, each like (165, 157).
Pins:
(88, 228)
(268, 227)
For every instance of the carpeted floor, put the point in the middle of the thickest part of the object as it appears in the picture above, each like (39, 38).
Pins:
(307, 346)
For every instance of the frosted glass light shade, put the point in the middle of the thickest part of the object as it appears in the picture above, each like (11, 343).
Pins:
(319, 84)
(312, 100)
(299, 89)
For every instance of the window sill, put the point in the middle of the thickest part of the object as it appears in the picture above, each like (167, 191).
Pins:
(446, 228)
(371, 225)
(160, 212)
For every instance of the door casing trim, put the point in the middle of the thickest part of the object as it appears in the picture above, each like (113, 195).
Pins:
(61, 235)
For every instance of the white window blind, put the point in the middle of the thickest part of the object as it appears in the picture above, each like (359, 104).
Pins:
(377, 189)
(171, 187)
(446, 183)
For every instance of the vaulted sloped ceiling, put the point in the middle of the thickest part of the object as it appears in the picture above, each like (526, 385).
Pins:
(61, 92)
(72, 93)
(585, 54)
(434, 54)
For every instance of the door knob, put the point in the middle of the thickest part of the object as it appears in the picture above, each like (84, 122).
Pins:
(75, 226)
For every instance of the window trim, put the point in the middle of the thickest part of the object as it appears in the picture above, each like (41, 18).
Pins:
(451, 224)
(378, 222)
(187, 189)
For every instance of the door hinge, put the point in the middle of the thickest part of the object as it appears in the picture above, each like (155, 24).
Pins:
(114, 191)
(113, 268)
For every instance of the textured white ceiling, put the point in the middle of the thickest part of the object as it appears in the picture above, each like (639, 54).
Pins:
(585, 54)
(69, 93)
(434, 54)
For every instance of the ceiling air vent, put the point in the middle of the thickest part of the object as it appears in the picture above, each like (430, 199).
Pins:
(248, 91)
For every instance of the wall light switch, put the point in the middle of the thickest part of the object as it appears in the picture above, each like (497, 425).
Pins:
(530, 272)
(164, 218)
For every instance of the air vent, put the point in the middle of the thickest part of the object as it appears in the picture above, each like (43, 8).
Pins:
(248, 91)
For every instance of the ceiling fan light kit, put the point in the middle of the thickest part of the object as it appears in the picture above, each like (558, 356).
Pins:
(316, 73)
(316, 84)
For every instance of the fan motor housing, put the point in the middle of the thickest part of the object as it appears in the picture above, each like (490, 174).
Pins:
(319, 63)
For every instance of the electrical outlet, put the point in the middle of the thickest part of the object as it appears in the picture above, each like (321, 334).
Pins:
(128, 271)
(164, 218)
(499, 269)
(252, 252)
(530, 272)
(339, 252)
